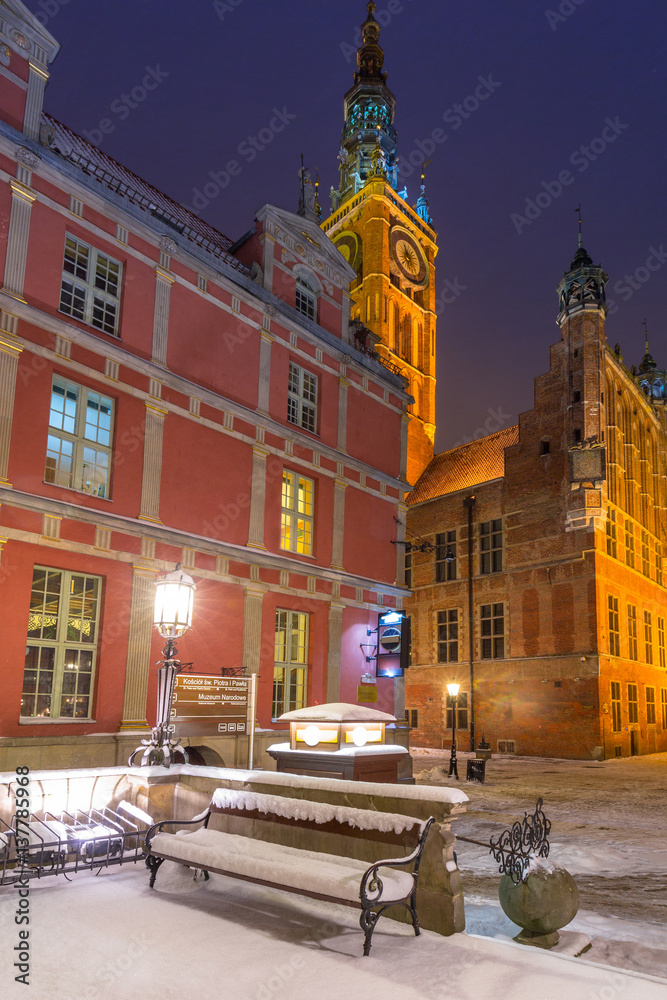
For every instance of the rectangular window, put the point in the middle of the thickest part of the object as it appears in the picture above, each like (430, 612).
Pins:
(62, 645)
(632, 632)
(611, 534)
(646, 554)
(408, 565)
(650, 706)
(648, 636)
(615, 706)
(302, 398)
(661, 642)
(658, 563)
(306, 299)
(461, 711)
(296, 526)
(448, 636)
(90, 288)
(290, 662)
(492, 623)
(633, 703)
(445, 556)
(491, 546)
(630, 543)
(663, 706)
(614, 628)
(412, 715)
(79, 444)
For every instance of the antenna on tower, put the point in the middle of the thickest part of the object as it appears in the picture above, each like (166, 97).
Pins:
(578, 211)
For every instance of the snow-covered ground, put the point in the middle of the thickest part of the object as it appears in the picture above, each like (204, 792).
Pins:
(608, 830)
(110, 936)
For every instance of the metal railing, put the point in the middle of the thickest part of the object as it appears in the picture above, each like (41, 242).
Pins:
(71, 842)
(515, 848)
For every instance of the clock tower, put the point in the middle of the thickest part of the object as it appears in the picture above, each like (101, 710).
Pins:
(390, 245)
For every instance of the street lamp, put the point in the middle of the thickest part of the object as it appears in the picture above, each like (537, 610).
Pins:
(172, 617)
(453, 690)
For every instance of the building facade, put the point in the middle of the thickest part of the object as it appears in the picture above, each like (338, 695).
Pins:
(390, 245)
(168, 396)
(537, 559)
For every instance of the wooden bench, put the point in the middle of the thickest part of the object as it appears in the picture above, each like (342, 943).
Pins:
(254, 856)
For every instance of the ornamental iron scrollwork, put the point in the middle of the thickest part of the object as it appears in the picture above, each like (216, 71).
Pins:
(524, 840)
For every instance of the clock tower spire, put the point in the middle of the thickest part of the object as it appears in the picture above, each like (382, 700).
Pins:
(391, 245)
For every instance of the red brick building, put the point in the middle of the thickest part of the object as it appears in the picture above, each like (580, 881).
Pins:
(168, 396)
(537, 559)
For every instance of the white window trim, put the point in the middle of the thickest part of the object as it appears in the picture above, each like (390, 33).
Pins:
(289, 665)
(79, 441)
(86, 286)
(301, 400)
(294, 516)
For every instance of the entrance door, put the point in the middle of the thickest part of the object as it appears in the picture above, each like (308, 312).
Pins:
(634, 742)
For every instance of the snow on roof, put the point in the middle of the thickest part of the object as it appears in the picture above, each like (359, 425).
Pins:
(123, 182)
(461, 468)
(337, 711)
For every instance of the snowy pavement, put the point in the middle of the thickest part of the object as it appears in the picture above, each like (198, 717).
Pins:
(109, 936)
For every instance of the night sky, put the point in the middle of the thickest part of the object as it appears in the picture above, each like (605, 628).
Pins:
(556, 77)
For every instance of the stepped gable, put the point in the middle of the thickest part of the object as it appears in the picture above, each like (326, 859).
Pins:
(127, 184)
(462, 468)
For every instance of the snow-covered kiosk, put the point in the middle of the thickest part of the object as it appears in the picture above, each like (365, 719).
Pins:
(339, 741)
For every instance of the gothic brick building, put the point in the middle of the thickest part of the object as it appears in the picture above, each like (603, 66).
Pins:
(536, 559)
(168, 396)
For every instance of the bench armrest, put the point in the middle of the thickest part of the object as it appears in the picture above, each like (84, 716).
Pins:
(158, 827)
(371, 884)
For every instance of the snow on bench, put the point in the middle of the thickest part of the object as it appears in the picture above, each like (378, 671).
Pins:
(325, 876)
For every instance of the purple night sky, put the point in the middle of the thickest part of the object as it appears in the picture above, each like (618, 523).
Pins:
(573, 88)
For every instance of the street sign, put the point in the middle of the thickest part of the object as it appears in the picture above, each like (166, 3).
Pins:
(207, 705)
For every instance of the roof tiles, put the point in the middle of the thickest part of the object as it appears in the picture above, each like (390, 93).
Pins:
(462, 468)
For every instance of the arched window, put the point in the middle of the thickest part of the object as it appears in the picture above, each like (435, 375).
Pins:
(306, 298)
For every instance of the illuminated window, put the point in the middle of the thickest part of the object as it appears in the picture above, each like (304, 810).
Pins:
(448, 636)
(62, 645)
(492, 621)
(290, 662)
(611, 534)
(296, 526)
(412, 716)
(658, 563)
(648, 636)
(661, 642)
(630, 543)
(614, 628)
(90, 287)
(650, 705)
(633, 703)
(302, 398)
(461, 711)
(646, 554)
(445, 556)
(663, 706)
(79, 447)
(632, 632)
(306, 298)
(491, 546)
(615, 706)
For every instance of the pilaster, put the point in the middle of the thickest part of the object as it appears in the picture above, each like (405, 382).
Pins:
(338, 524)
(264, 372)
(9, 360)
(138, 649)
(17, 239)
(343, 386)
(257, 498)
(35, 99)
(252, 629)
(163, 282)
(152, 471)
(334, 640)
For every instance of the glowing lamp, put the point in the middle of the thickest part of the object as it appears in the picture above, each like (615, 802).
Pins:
(174, 600)
(453, 690)
(311, 736)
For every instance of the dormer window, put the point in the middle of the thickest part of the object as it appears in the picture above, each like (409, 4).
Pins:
(306, 298)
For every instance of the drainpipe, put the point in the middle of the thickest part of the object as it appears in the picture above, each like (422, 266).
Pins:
(469, 503)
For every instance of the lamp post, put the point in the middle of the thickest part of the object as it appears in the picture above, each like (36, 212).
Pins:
(172, 617)
(453, 690)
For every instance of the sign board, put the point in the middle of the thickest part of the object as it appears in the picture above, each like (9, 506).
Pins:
(367, 693)
(587, 465)
(206, 705)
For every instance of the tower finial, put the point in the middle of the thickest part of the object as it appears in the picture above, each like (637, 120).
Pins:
(645, 337)
(578, 211)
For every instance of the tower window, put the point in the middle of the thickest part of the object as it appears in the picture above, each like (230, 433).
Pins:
(545, 447)
(576, 396)
(306, 298)
(577, 435)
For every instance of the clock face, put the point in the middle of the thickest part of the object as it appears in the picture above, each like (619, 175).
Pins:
(407, 257)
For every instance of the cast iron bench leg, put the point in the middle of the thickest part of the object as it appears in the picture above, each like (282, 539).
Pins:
(153, 864)
(368, 920)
